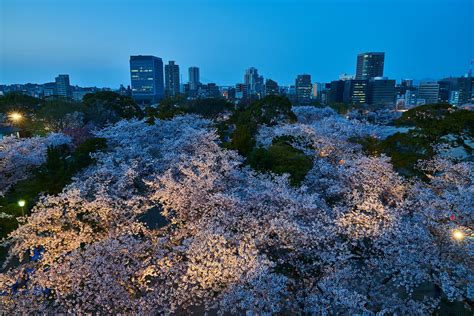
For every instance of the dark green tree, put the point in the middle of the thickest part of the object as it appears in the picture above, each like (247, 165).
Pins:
(107, 106)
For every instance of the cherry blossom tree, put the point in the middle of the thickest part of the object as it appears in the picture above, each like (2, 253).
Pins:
(19, 156)
(354, 237)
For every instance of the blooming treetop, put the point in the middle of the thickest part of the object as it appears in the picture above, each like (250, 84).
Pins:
(354, 237)
(19, 156)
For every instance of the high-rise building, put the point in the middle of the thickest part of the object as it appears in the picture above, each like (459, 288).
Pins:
(49, 89)
(411, 98)
(407, 83)
(446, 85)
(370, 65)
(454, 98)
(429, 92)
(355, 92)
(171, 78)
(336, 93)
(465, 89)
(193, 78)
(63, 87)
(303, 88)
(241, 91)
(271, 87)
(314, 91)
(381, 91)
(254, 81)
(146, 74)
(318, 89)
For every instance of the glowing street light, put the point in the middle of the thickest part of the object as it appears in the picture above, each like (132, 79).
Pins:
(22, 203)
(458, 235)
(15, 117)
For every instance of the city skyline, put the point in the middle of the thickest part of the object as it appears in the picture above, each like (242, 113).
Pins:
(411, 49)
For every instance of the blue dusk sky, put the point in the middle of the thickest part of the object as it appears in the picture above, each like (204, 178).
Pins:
(92, 40)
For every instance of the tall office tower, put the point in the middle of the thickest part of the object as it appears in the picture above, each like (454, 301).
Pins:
(193, 78)
(253, 81)
(271, 87)
(446, 85)
(303, 88)
(381, 91)
(213, 90)
(428, 91)
(318, 89)
(314, 91)
(454, 98)
(146, 74)
(408, 83)
(411, 98)
(369, 65)
(464, 87)
(171, 78)
(63, 88)
(241, 91)
(355, 92)
(336, 93)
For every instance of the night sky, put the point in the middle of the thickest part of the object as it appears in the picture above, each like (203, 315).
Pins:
(92, 40)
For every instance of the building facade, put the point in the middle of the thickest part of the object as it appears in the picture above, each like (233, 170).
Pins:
(429, 92)
(303, 87)
(241, 91)
(465, 89)
(146, 73)
(193, 78)
(63, 88)
(370, 65)
(336, 93)
(271, 87)
(381, 91)
(254, 81)
(172, 83)
(355, 92)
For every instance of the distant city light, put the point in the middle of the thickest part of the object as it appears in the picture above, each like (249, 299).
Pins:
(458, 235)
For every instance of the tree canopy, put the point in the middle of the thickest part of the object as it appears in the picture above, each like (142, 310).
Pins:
(305, 223)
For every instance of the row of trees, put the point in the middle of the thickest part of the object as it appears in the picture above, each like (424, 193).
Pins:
(41, 116)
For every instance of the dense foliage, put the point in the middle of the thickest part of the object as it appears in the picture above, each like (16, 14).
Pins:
(115, 106)
(172, 106)
(57, 114)
(280, 158)
(321, 229)
(45, 170)
(18, 101)
(430, 126)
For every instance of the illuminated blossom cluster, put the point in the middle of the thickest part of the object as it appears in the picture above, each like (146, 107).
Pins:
(19, 156)
(354, 237)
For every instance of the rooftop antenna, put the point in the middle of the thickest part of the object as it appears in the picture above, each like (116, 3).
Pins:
(469, 72)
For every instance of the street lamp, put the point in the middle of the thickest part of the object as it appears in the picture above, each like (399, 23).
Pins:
(15, 117)
(458, 235)
(22, 203)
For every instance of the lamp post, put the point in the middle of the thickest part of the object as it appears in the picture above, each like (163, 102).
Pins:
(458, 235)
(22, 203)
(16, 118)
